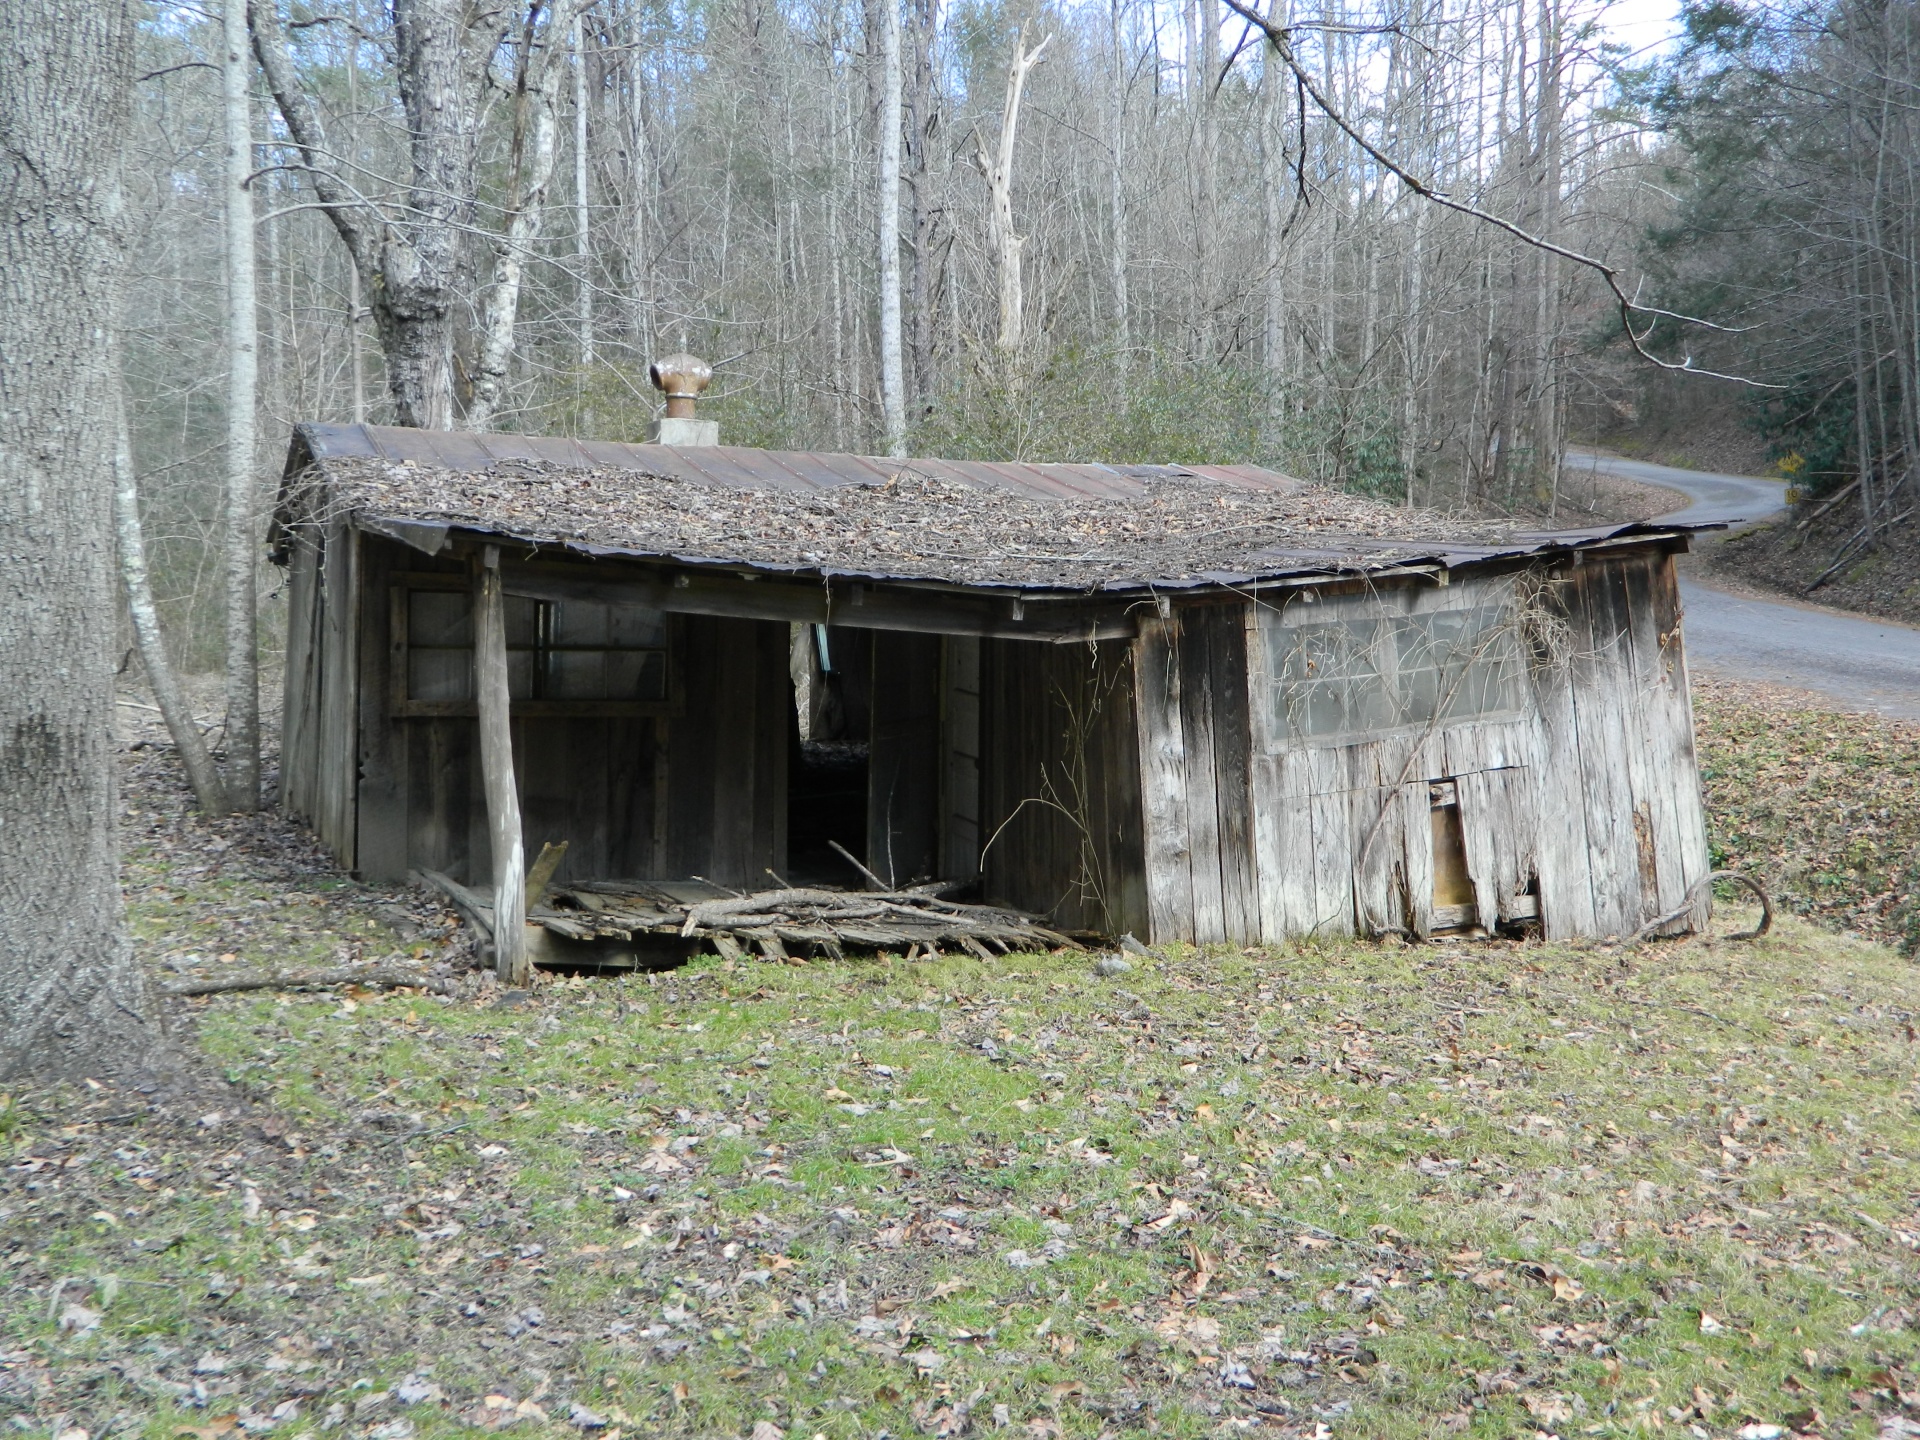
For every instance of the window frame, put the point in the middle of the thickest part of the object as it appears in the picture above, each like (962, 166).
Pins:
(404, 706)
(1380, 615)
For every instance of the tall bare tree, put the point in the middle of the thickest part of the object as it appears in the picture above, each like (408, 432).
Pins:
(893, 380)
(538, 59)
(1006, 240)
(409, 251)
(243, 378)
(131, 545)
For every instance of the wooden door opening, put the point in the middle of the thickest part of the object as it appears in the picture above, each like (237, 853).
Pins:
(829, 753)
(1454, 904)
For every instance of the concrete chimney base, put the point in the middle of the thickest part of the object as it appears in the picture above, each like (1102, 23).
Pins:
(672, 430)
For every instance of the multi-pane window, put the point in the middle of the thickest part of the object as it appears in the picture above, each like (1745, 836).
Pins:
(557, 650)
(1368, 673)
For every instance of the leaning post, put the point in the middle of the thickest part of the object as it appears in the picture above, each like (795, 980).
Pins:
(496, 766)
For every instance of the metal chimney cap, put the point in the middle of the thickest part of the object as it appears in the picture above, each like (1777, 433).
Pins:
(681, 376)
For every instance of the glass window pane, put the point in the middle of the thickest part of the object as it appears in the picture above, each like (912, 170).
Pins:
(578, 622)
(636, 675)
(439, 617)
(576, 675)
(435, 674)
(637, 626)
(523, 621)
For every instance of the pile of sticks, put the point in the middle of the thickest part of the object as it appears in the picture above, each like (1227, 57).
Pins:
(779, 923)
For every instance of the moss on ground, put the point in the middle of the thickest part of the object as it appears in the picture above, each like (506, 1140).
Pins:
(1488, 1189)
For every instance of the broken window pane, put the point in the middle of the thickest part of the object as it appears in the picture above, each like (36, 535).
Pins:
(1373, 673)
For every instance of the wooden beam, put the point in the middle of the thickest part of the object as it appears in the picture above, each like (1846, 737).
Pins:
(860, 606)
(496, 768)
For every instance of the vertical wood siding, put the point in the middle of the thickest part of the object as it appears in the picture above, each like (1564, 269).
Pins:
(703, 792)
(1582, 800)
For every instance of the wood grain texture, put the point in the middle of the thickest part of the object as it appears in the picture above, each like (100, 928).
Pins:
(508, 854)
(336, 770)
(300, 715)
(1193, 647)
(380, 816)
(1163, 786)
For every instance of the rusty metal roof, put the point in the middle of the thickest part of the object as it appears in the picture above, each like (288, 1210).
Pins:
(1061, 527)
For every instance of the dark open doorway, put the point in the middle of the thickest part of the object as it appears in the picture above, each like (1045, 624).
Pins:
(830, 746)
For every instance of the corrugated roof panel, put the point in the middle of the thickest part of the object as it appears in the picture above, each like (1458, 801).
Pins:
(460, 450)
(329, 442)
(530, 448)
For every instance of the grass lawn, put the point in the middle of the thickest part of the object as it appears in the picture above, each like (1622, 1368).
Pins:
(1491, 1189)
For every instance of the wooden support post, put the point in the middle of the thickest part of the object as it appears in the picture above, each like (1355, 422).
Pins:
(496, 767)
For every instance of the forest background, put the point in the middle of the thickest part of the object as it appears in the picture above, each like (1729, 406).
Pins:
(1206, 252)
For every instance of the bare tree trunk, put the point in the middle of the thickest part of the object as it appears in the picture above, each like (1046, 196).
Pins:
(893, 394)
(920, 103)
(582, 211)
(357, 368)
(73, 1000)
(1117, 190)
(1274, 80)
(243, 627)
(536, 85)
(1007, 241)
(639, 186)
(1207, 221)
(167, 694)
(410, 254)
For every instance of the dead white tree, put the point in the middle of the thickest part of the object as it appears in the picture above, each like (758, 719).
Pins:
(998, 169)
(1117, 188)
(243, 627)
(536, 84)
(131, 544)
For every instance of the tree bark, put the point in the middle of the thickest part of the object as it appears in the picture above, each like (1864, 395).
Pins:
(131, 544)
(582, 213)
(73, 1001)
(536, 85)
(1117, 191)
(243, 651)
(921, 106)
(1207, 220)
(893, 390)
(409, 254)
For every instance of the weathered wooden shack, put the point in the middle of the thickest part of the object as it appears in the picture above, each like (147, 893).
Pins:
(1206, 703)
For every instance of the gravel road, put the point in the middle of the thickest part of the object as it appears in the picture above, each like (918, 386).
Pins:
(1859, 662)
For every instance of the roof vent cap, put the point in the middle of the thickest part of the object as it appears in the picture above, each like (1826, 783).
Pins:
(681, 377)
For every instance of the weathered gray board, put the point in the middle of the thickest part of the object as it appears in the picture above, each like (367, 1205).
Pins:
(1138, 786)
(1579, 803)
